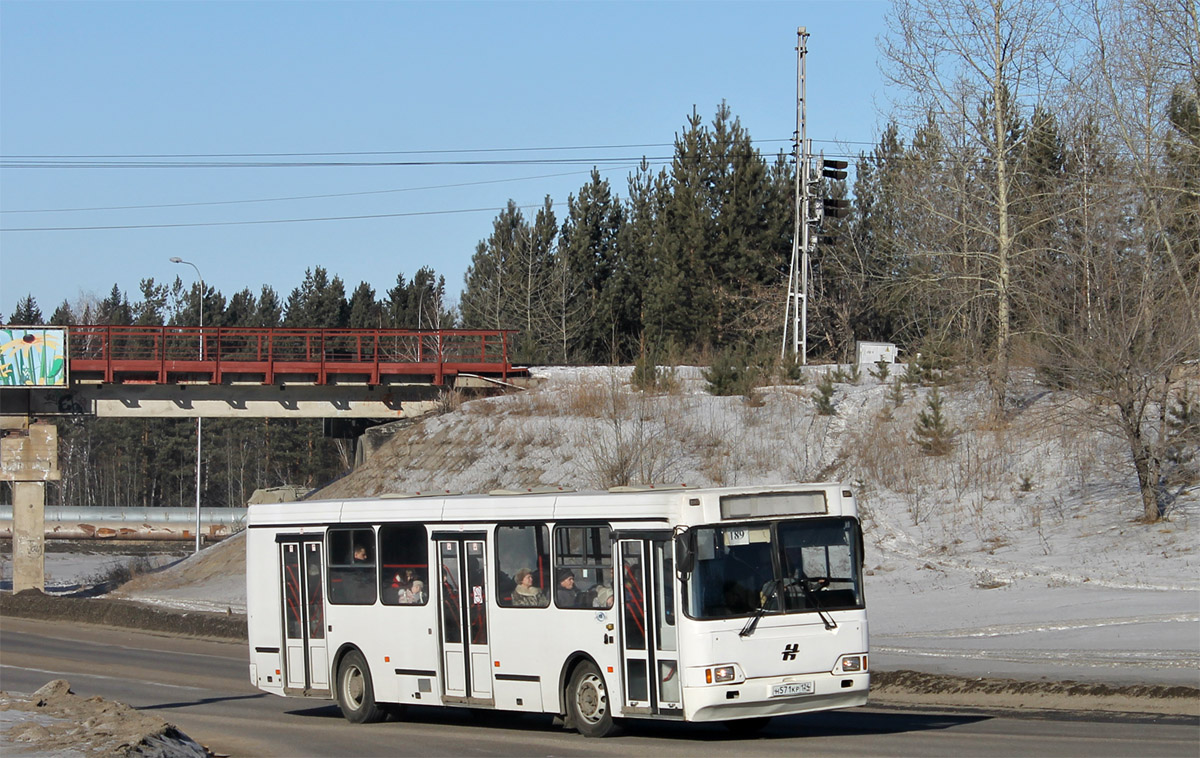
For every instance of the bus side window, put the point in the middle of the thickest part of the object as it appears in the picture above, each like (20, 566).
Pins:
(523, 578)
(351, 566)
(585, 552)
(403, 564)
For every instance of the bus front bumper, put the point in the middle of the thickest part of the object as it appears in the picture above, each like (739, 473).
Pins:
(776, 696)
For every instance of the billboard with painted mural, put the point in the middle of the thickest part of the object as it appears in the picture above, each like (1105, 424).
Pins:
(33, 356)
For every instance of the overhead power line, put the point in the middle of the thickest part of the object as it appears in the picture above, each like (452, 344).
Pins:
(208, 160)
(153, 161)
(77, 164)
(304, 197)
(266, 221)
(349, 153)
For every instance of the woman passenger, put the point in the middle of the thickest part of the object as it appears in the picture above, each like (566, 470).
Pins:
(525, 593)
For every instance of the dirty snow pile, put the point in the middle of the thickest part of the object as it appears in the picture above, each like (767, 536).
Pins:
(56, 721)
(1019, 553)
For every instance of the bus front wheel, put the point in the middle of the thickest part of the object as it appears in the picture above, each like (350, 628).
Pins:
(587, 701)
(355, 694)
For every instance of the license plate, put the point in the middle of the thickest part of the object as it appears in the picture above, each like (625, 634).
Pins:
(789, 689)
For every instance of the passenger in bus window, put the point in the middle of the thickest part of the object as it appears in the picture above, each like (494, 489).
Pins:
(414, 596)
(604, 597)
(395, 591)
(566, 595)
(360, 554)
(525, 594)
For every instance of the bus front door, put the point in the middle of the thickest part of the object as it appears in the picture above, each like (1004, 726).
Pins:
(648, 640)
(466, 655)
(306, 661)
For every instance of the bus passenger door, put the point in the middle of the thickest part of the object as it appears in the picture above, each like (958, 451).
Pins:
(466, 655)
(666, 655)
(648, 645)
(305, 660)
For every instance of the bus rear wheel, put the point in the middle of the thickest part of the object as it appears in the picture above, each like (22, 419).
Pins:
(355, 694)
(587, 702)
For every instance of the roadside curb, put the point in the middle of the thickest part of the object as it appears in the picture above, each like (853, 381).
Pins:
(907, 688)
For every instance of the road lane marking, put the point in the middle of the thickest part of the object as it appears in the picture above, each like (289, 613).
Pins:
(65, 674)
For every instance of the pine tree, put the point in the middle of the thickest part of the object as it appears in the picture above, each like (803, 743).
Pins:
(428, 299)
(151, 310)
(319, 302)
(27, 312)
(114, 310)
(487, 301)
(363, 311)
(599, 307)
(241, 309)
(1183, 439)
(396, 306)
(877, 225)
(931, 431)
(823, 397)
(680, 298)
(185, 305)
(62, 315)
(269, 311)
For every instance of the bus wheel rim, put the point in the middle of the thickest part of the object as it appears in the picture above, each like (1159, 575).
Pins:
(354, 687)
(591, 699)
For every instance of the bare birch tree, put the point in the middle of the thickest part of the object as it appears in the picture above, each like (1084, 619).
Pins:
(975, 67)
(1128, 356)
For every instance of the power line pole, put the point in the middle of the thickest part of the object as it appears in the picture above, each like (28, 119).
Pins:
(795, 317)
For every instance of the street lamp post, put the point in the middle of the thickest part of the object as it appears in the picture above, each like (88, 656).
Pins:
(199, 420)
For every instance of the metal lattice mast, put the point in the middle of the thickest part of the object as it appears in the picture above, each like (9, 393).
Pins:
(795, 318)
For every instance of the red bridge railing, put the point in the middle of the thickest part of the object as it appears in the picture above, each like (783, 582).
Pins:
(178, 354)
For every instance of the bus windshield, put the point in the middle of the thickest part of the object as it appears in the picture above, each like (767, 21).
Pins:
(795, 566)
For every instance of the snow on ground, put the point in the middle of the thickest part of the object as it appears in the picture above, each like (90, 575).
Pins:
(74, 565)
(1017, 555)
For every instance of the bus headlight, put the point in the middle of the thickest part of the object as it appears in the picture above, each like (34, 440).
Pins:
(722, 675)
(851, 664)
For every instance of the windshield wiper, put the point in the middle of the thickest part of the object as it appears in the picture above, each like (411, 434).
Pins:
(812, 596)
(752, 622)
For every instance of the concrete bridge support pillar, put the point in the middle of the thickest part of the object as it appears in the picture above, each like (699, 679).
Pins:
(29, 536)
(29, 459)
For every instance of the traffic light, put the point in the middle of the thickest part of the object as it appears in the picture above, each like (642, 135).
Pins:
(834, 169)
(836, 208)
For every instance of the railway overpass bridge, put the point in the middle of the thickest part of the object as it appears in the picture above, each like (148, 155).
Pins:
(224, 372)
(350, 377)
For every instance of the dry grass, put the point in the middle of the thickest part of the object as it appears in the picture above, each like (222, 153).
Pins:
(450, 400)
(596, 400)
(484, 407)
(630, 441)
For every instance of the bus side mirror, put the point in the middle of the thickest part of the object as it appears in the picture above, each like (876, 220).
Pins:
(685, 554)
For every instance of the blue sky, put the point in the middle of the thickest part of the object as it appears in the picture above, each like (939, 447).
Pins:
(321, 78)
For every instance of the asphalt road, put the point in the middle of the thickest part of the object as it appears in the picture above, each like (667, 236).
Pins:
(204, 688)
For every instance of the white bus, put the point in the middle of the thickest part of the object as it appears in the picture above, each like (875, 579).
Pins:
(731, 604)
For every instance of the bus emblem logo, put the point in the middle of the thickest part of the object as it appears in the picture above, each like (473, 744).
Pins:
(789, 651)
